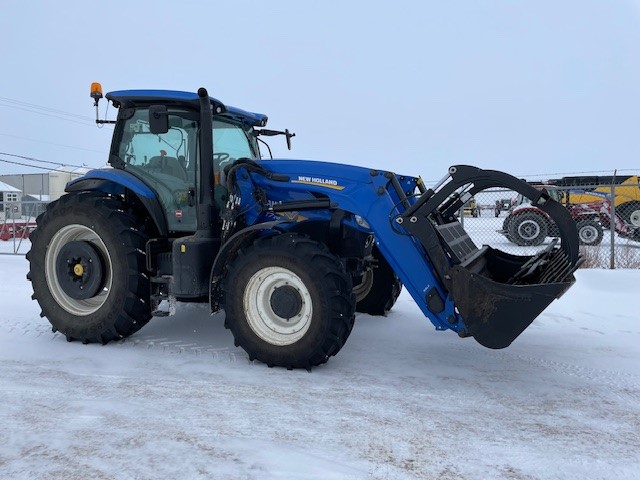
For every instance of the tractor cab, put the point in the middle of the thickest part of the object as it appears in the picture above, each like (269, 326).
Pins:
(554, 193)
(166, 155)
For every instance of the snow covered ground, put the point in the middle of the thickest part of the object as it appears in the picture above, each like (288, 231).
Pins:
(400, 401)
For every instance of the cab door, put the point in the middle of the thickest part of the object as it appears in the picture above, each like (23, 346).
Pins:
(166, 162)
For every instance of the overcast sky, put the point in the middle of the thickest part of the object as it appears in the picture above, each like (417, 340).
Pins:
(529, 87)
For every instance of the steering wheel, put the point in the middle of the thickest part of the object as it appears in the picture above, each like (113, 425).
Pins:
(220, 157)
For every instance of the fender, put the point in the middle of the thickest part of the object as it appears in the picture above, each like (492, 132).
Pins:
(230, 247)
(117, 182)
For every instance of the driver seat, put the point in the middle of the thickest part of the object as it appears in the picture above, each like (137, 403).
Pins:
(168, 165)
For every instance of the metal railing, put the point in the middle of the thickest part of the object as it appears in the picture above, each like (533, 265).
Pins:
(17, 220)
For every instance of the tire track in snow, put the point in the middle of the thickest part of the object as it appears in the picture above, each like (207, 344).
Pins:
(42, 329)
(224, 354)
(626, 385)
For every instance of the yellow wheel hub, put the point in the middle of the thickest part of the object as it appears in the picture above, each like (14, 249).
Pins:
(78, 269)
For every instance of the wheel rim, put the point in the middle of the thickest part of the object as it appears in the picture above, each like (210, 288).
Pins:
(62, 237)
(260, 299)
(364, 287)
(634, 218)
(588, 234)
(529, 230)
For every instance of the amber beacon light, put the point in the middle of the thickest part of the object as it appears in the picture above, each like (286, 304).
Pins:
(96, 91)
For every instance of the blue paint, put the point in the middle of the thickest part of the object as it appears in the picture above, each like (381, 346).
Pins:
(166, 97)
(117, 179)
(363, 192)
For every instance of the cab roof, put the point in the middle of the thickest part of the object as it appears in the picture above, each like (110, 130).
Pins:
(133, 98)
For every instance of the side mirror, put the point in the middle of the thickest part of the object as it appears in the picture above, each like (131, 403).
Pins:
(288, 134)
(158, 119)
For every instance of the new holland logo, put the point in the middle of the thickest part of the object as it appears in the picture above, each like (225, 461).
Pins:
(322, 182)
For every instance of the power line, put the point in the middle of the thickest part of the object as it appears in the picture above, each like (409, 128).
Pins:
(51, 143)
(27, 165)
(50, 112)
(41, 161)
(47, 109)
(87, 123)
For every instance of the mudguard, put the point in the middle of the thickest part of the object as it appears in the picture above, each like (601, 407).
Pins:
(115, 181)
(228, 250)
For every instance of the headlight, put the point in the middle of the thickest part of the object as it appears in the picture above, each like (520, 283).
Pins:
(362, 222)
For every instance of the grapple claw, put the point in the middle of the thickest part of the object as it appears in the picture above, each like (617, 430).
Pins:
(497, 294)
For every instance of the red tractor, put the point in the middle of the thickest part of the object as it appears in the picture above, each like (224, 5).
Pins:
(622, 228)
(527, 225)
(9, 230)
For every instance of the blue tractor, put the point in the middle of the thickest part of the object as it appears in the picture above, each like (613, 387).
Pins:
(289, 249)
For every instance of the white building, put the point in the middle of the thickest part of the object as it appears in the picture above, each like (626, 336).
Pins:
(43, 186)
(59, 178)
(9, 200)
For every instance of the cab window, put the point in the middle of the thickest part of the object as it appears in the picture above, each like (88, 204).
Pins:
(231, 141)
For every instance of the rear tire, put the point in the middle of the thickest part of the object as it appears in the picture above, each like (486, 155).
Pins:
(378, 289)
(630, 213)
(528, 229)
(590, 232)
(87, 268)
(506, 226)
(288, 301)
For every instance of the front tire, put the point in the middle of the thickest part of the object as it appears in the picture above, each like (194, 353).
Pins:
(87, 268)
(528, 229)
(590, 232)
(288, 301)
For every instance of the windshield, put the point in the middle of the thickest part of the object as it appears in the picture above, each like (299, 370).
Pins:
(232, 141)
(554, 193)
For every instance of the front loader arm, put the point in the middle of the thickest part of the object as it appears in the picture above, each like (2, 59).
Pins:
(482, 292)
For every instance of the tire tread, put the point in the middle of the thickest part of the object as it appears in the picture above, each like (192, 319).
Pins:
(328, 269)
(134, 314)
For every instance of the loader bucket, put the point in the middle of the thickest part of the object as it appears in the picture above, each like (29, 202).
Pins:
(496, 309)
(497, 294)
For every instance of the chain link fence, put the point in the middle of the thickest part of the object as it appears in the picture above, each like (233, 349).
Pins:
(609, 231)
(17, 220)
